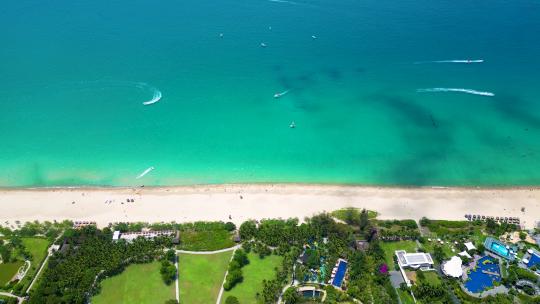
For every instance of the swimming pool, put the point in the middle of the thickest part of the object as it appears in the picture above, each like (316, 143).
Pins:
(311, 293)
(499, 249)
(534, 260)
(340, 273)
(486, 273)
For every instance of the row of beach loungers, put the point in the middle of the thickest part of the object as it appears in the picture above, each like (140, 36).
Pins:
(500, 219)
(80, 224)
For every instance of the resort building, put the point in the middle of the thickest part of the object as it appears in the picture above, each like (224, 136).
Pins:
(465, 254)
(469, 246)
(417, 260)
(452, 268)
(499, 249)
(148, 234)
(361, 245)
(532, 259)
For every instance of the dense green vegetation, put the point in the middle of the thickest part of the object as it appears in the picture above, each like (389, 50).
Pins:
(352, 215)
(7, 300)
(201, 276)
(254, 273)
(234, 274)
(198, 236)
(168, 269)
(398, 230)
(27, 242)
(205, 236)
(71, 275)
(137, 284)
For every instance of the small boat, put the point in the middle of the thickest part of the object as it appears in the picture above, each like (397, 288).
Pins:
(263, 44)
(292, 125)
(314, 37)
(220, 35)
(278, 95)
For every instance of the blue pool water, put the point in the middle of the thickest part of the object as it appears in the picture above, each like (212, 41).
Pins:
(534, 260)
(500, 249)
(311, 293)
(478, 280)
(340, 274)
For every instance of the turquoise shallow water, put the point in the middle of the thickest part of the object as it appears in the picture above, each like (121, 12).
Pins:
(71, 108)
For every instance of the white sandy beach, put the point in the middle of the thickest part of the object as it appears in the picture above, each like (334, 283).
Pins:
(258, 201)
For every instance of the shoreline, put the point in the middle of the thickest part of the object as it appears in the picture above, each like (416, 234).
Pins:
(216, 202)
(284, 184)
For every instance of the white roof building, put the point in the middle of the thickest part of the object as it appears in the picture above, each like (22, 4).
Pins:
(465, 254)
(452, 267)
(414, 260)
(469, 246)
(116, 235)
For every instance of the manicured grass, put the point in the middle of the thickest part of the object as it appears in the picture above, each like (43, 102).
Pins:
(390, 248)
(138, 283)
(432, 278)
(405, 297)
(429, 246)
(201, 276)
(37, 247)
(207, 240)
(254, 273)
(341, 214)
(8, 270)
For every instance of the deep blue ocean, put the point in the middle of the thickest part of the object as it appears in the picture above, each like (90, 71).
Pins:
(74, 76)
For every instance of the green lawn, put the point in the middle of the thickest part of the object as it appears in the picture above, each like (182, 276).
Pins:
(254, 273)
(37, 247)
(209, 240)
(341, 214)
(432, 278)
(137, 284)
(390, 248)
(405, 297)
(428, 247)
(8, 270)
(201, 276)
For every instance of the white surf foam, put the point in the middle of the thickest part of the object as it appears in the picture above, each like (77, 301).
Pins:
(459, 90)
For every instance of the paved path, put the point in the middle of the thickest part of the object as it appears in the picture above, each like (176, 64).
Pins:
(529, 283)
(209, 252)
(7, 294)
(221, 290)
(177, 278)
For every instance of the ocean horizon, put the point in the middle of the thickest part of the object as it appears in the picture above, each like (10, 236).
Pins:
(389, 93)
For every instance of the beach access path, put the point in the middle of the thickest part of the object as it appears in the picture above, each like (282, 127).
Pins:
(240, 202)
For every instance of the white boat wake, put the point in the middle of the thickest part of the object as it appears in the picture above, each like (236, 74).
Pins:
(452, 61)
(283, 1)
(100, 85)
(278, 95)
(145, 172)
(459, 90)
(155, 98)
